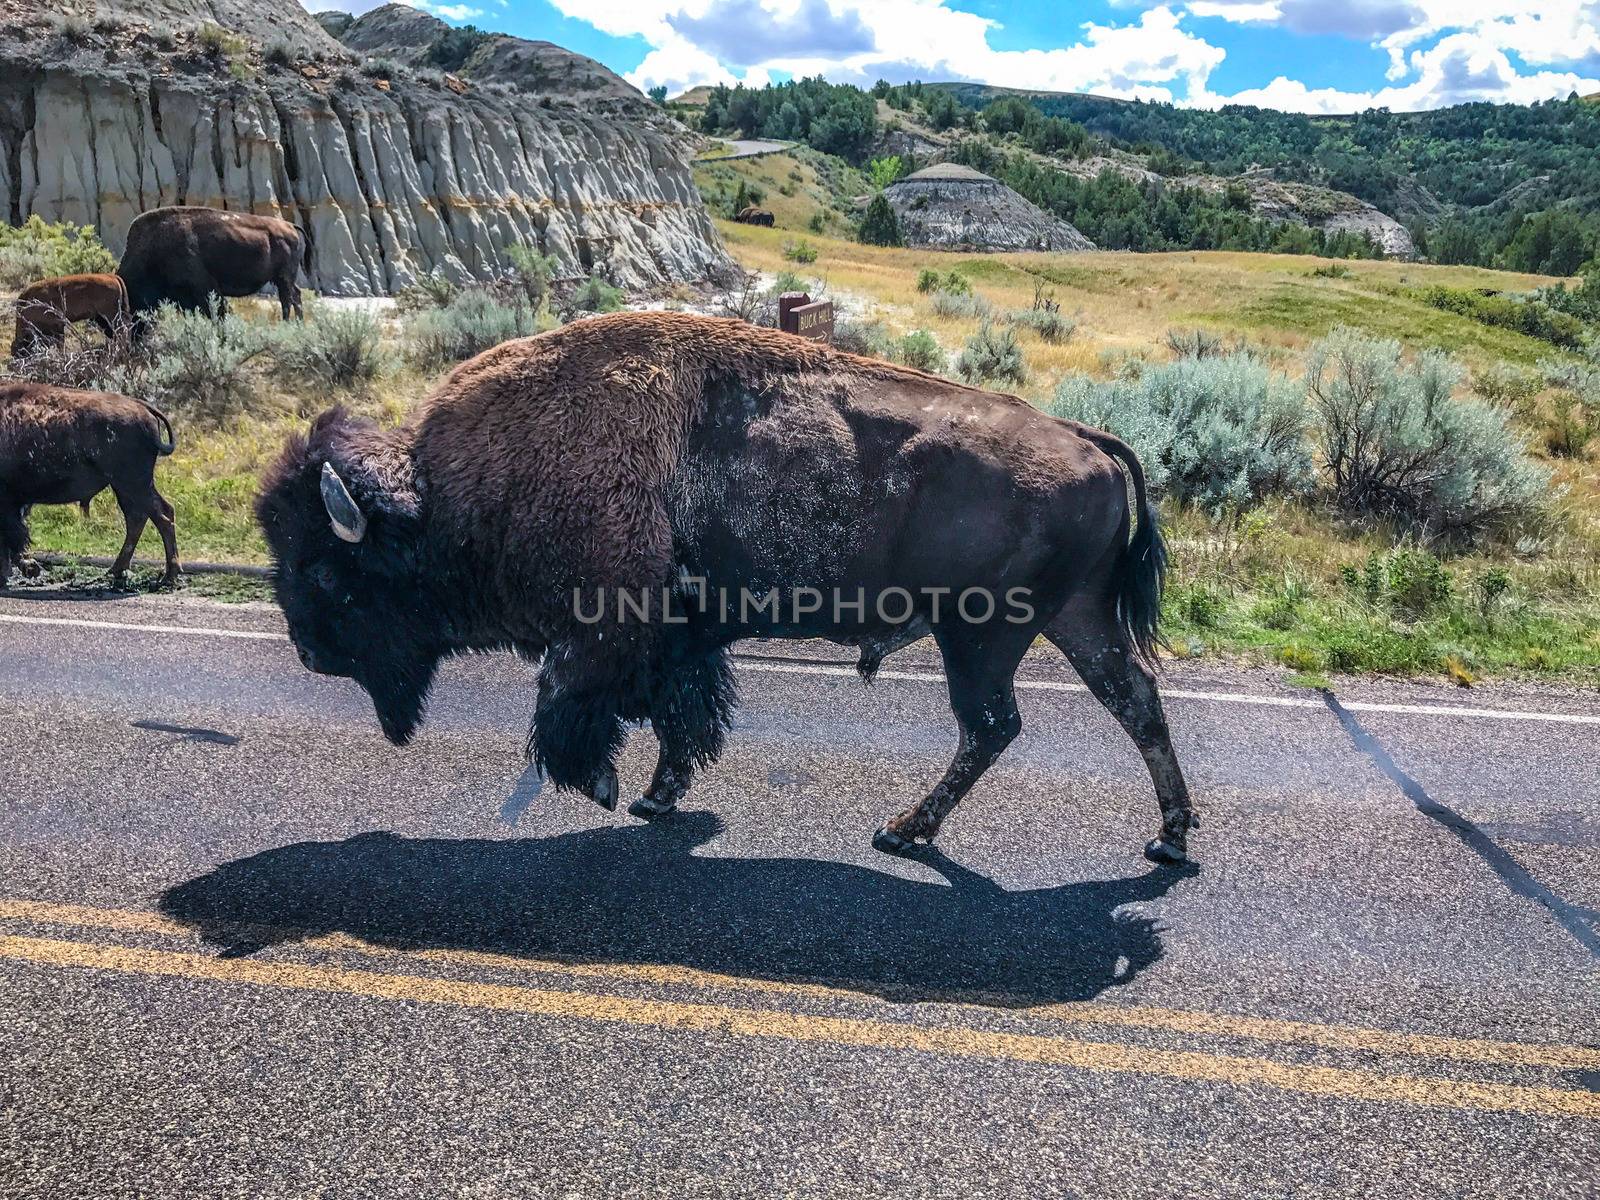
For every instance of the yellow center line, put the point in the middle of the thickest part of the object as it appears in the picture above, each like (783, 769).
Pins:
(1099, 1057)
(1086, 1012)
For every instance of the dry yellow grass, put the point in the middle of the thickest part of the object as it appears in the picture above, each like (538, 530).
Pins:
(1124, 303)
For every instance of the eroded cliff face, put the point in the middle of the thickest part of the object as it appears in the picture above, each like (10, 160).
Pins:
(392, 178)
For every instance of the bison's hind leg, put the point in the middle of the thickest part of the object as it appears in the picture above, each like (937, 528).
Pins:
(980, 663)
(13, 538)
(692, 707)
(1089, 633)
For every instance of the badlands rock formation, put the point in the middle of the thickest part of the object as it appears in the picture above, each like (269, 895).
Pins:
(139, 105)
(952, 207)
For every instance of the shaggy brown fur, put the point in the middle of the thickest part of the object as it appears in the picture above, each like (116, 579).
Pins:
(753, 216)
(47, 306)
(626, 451)
(187, 255)
(64, 446)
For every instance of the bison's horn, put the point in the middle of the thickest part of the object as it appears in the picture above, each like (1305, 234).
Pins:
(349, 522)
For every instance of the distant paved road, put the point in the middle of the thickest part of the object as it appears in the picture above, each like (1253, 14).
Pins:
(747, 148)
(249, 949)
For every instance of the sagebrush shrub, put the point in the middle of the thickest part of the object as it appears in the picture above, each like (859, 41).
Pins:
(205, 367)
(1048, 323)
(1214, 432)
(992, 355)
(1193, 343)
(595, 295)
(432, 290)
(961, 304)
(920, 349)
(333, 346)
(1397, 445)
(472, 322)
(870, 337)
(1510, 387)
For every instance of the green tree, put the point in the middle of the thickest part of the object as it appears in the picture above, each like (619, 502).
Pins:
(659, 93)
(885, 171)
(879, 225)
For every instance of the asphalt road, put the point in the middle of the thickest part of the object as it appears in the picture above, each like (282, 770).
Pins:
(248, 949)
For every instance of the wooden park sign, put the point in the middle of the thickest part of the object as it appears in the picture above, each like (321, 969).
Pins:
(797, 313)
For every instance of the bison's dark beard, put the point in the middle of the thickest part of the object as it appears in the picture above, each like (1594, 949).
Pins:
(400, 697)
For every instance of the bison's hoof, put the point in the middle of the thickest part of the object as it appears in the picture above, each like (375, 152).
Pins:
(606, 792)
(29, 568)
(645, 808)
(887, 841)
(1160, 851)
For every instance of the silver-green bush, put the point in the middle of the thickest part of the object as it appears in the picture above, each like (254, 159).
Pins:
(203, 367)
(1214, 432)
(1048, 323)
(469, 324)
(961, 304)
(992, 355)
(1397, 446)
(333, 346)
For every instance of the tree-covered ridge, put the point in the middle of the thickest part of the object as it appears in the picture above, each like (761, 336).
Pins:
(1515, 186)
(834, 118)
(1468, 155)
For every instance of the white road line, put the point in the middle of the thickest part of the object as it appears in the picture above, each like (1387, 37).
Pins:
(1045, 685)
(1038, 685)
(190, 630)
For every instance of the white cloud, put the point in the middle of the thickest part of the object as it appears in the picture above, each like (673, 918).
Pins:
(451, 12)
(716, 41)
(1440, 51)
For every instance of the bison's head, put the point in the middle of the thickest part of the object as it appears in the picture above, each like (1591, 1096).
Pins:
(343, 520)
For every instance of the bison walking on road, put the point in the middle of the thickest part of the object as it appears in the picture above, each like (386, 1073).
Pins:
(185, 255)
(64, 446)
(47, 306)
(624, 498)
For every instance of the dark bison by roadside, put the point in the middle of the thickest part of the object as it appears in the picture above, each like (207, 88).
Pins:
(64, 446)
(47, 306)
(186, 255)
(691, 469)
(753, 216)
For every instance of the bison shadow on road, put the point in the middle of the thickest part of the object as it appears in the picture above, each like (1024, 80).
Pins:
(637, 894)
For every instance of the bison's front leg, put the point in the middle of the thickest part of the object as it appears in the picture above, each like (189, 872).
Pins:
(577, 725)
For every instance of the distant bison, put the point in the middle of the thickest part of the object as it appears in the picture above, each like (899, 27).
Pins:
(753, 216)
(64, 446)
(624, 498)
(186, 255)
(47, 306)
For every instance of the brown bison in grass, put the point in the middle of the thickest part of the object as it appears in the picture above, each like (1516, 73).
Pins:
(187, 255)
(753, 216)
(47, 306)
(625, 497)
(64, 446)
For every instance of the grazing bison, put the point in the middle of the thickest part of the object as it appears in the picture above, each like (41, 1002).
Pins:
(753, 216)
(625, 497)
(186, 255)
(47, 306)
(64, 446)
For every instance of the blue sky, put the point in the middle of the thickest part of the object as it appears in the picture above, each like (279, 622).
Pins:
(1302, 55)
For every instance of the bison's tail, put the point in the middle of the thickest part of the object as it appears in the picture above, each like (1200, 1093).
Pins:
(1142, 573)
(167, 447)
